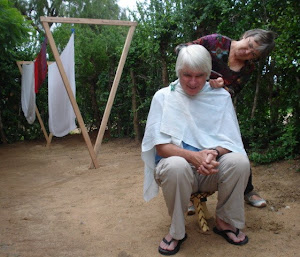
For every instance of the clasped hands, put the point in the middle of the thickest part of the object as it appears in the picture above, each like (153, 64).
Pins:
(205, 162)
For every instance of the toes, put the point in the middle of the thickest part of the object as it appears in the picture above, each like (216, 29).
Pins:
(236, 238)
(172, 245)
(241, 236)
(168, 246)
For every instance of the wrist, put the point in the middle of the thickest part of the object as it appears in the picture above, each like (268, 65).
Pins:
(218, 152)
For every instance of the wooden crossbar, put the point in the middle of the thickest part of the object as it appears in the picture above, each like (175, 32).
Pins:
(88, 21)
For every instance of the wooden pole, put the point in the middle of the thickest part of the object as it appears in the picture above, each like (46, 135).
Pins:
(49, 141)
(70, 93)
(113, 91)
(42, 126)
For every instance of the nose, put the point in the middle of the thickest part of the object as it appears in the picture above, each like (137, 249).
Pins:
(193, 80)
(248, 51)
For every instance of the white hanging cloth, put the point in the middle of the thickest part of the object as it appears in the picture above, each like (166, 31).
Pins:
(61, 113)
(27, 92)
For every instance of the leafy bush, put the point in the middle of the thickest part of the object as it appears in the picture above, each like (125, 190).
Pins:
(285, 147)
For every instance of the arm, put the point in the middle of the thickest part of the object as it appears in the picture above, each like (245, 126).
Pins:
(204, 161)
(199, 41)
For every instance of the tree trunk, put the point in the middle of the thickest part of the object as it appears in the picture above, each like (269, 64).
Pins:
(137, 135)
(235, 101)
(2, 134)
(165, 76)
(257, 84)
(96, 113)
(273, 105)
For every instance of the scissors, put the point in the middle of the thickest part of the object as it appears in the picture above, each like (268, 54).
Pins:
(215, 74)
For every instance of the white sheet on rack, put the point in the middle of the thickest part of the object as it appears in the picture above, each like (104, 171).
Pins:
(27, 92)
(61, 113)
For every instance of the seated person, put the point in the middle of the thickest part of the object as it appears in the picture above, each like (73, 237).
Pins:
(192, 143)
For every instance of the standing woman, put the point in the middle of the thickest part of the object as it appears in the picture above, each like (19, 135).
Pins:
(233, 62)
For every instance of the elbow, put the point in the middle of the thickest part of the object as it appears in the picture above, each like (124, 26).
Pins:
(160, 150)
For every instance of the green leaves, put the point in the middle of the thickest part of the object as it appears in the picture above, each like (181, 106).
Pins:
(14, 28)
(162, 25)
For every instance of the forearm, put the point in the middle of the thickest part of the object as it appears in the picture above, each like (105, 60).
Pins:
(168, 150)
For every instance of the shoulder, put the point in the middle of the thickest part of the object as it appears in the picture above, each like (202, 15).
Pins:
(217, 37)
(162, 91)
(219, 92)
(161, 94)
(216, 40)
(222, 40)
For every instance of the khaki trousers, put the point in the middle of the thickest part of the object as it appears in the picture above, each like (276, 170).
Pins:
(178, 180)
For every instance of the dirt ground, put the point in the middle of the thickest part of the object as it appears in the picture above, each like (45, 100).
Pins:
(52, 204)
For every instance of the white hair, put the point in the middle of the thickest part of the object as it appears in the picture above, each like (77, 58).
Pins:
(194, 57)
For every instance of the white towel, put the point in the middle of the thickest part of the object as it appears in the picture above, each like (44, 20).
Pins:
(27, 92)
(61, 113)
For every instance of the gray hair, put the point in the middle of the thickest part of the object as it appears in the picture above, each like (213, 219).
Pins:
(264, 38)
(194, 57)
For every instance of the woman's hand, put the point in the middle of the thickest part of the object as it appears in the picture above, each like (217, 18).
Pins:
(205, 162)
(216, 83)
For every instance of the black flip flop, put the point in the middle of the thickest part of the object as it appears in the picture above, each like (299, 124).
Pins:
(175, 250)
(223, 233)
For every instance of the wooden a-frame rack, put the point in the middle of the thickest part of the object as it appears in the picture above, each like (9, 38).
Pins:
(93, 151)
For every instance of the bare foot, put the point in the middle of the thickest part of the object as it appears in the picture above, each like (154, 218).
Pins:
(222, 225)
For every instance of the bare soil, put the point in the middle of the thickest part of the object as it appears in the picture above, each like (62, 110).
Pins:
(52, 204)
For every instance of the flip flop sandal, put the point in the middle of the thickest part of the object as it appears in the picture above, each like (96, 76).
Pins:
(223, 233)
(175, 250)
(256, 203)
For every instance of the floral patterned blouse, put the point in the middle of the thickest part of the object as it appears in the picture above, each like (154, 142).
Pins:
(219, 47)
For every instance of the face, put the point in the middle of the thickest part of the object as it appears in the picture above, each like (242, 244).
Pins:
(247, 49)
(191, 81)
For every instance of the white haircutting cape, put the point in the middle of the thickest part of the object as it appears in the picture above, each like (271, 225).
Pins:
(205, 120)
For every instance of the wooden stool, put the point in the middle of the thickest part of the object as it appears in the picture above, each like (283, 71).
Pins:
(199, 200)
